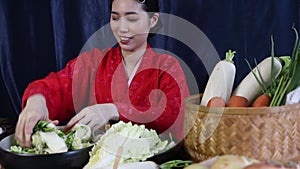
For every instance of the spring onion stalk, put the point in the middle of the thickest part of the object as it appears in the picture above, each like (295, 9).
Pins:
(175, 164)
(281, 82)
(290, 77)
(272, 67)
(259, 78)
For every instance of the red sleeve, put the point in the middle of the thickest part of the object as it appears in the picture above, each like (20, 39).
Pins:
(69, 85)
(57, 89)
(166, 111)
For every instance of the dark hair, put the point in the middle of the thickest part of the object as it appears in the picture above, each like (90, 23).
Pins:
(150, 6)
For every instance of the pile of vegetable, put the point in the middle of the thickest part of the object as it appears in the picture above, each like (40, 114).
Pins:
(48, 139)
(269, 83)
(125, 143)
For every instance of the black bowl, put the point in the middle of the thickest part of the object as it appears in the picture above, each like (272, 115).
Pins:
(76, 159)
(69, 160)
(168, 155)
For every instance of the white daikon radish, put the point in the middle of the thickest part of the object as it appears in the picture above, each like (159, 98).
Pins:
(249, 87)
(221, 80)
(293, 97)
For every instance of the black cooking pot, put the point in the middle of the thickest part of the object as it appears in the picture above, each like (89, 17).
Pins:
(69, 160)
(168, 155)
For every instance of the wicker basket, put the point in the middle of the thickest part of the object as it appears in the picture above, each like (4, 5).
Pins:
(260, 133)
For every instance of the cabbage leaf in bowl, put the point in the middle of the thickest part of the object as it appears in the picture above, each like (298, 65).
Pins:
(48, 139)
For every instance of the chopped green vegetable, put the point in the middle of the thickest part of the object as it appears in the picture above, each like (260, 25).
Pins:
(79, 137)
(44, 126)
(47, 139)
(175, 164)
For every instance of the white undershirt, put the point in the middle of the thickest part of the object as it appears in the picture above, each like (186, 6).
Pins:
(134, 71)
(112, 107)
(130, 77)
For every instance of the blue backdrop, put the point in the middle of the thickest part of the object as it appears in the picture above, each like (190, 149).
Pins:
(37, 37)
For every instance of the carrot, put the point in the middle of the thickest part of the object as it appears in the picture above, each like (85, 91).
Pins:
(216, 102)
(238, 101)
(262, 101)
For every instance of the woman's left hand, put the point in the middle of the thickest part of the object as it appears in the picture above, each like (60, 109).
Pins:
(95, 116)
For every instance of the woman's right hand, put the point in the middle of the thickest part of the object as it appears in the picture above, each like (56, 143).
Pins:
(35, 110)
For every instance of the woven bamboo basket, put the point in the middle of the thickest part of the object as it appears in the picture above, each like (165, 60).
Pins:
(270, 133)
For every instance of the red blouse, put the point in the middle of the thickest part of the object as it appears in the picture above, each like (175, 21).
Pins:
(153, 98)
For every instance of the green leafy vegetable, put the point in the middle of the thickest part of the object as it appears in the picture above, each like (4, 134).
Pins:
(47, 139)
(79, 137)
(175, 164)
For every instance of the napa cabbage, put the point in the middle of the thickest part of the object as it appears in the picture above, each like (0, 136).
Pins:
(126, 141)
(48, 139)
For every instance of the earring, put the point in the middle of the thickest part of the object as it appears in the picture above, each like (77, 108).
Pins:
(141, 1)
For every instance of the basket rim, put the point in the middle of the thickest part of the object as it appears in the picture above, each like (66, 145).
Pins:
(237, 110)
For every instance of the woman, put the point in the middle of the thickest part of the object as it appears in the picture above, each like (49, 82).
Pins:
(130, 82)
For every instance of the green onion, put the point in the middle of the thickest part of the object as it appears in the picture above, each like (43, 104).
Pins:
(289, 78)
(175, 164)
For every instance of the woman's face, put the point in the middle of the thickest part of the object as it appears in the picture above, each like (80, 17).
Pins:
(130, 25)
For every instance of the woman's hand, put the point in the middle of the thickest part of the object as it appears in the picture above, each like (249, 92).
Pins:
(35, 110)
(95, 116)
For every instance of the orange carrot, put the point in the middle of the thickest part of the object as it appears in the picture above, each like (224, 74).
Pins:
(238, 101)
(216, 102)
(262, 101)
